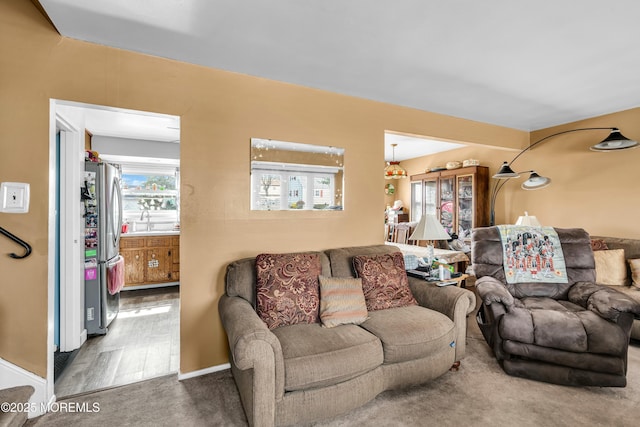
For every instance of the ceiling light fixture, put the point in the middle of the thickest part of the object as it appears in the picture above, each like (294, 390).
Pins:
(393, 170)
(613, 142)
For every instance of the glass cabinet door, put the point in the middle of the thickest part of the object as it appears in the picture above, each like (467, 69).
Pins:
(465, 205)
(416, 200)
(431, 197)
(447, 202)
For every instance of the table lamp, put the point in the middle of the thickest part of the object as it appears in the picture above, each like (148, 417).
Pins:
(529, 220)
(429, 229)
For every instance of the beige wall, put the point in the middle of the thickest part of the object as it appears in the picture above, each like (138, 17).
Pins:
(595, 191)
(220, 112)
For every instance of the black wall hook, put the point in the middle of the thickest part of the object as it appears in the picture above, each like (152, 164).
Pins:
(19, 241)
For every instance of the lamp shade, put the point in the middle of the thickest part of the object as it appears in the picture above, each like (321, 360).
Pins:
(429, 228)
(394, 171)
(615, 141)
(505, 172)
(529, 220)
(535, 182)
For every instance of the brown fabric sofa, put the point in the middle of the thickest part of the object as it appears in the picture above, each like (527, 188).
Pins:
(574, 334)
(305, 372)
(631, 251)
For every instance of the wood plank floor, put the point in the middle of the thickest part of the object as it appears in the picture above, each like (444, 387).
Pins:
(142, 343)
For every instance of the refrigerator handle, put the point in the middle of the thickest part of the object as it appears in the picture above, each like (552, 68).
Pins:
(118, 226)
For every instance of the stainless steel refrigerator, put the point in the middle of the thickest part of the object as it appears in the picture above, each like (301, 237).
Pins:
(102, 197)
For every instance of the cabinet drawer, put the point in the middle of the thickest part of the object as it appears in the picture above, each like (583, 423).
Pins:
(158, 241)
(175, 241)
(132, 242)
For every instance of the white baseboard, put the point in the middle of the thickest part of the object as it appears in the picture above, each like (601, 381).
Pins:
(205, 371)
(13, 376)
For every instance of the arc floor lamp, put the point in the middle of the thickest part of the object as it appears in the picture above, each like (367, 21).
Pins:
(614, 142)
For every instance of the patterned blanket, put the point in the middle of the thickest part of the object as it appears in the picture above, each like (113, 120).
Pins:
(532, 254)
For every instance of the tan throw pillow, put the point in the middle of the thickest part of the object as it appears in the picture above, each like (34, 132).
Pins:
(341, 301)
(635, 271)
(384, 281)
(611, 268)
(287, 290)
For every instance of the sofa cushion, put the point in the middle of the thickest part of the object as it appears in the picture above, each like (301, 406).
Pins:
(630, 291)
(412, 332)
(384, 281)
(287, 290)
(317, 357)
(562, 325)
(611, 268)
(341, 301)
(341, 259)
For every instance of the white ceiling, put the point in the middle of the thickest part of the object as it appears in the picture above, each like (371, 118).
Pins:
(524, 65)
(121, 123)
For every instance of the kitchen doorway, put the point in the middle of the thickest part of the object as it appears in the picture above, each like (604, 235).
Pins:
(142, 341)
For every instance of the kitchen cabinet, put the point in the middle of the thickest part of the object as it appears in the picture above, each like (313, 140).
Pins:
(459, 198)
(134, 266)
(150, 260)
(175, 257)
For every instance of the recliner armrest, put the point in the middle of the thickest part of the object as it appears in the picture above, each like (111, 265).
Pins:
(491, 290)
(602, 300)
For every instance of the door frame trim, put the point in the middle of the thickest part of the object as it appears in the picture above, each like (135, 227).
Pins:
(72, 331)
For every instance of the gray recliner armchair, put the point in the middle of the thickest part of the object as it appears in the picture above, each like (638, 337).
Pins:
(574, 333)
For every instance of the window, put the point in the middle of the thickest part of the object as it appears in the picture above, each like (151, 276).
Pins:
(312, 190)
(151, 200)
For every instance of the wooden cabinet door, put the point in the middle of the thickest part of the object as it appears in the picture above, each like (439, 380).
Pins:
(134, 266)
(175, 252)
(159, 265)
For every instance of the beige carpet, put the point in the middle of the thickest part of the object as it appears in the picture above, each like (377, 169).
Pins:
(479, 394)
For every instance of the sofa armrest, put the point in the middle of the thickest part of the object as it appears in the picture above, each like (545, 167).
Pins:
(254, 346)
(491, 290)
(456, 303)
(443, 299)
(602, 300)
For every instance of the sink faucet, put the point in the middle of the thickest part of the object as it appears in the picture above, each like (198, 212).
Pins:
(148, 218)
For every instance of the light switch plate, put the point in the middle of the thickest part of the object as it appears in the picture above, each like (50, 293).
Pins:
(14, 197)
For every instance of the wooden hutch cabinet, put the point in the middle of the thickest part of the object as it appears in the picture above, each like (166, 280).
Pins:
(459, 198)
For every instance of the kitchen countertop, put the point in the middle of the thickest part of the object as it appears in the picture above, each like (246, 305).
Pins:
(151, 233)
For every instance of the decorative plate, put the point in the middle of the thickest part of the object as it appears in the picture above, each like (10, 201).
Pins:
(453, 165)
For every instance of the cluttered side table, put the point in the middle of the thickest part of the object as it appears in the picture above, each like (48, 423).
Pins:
(458, 258)
(457, 281)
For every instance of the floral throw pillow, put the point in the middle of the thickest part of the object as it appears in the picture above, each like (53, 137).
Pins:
(287, 290)
(598, 245)
(384, 281)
